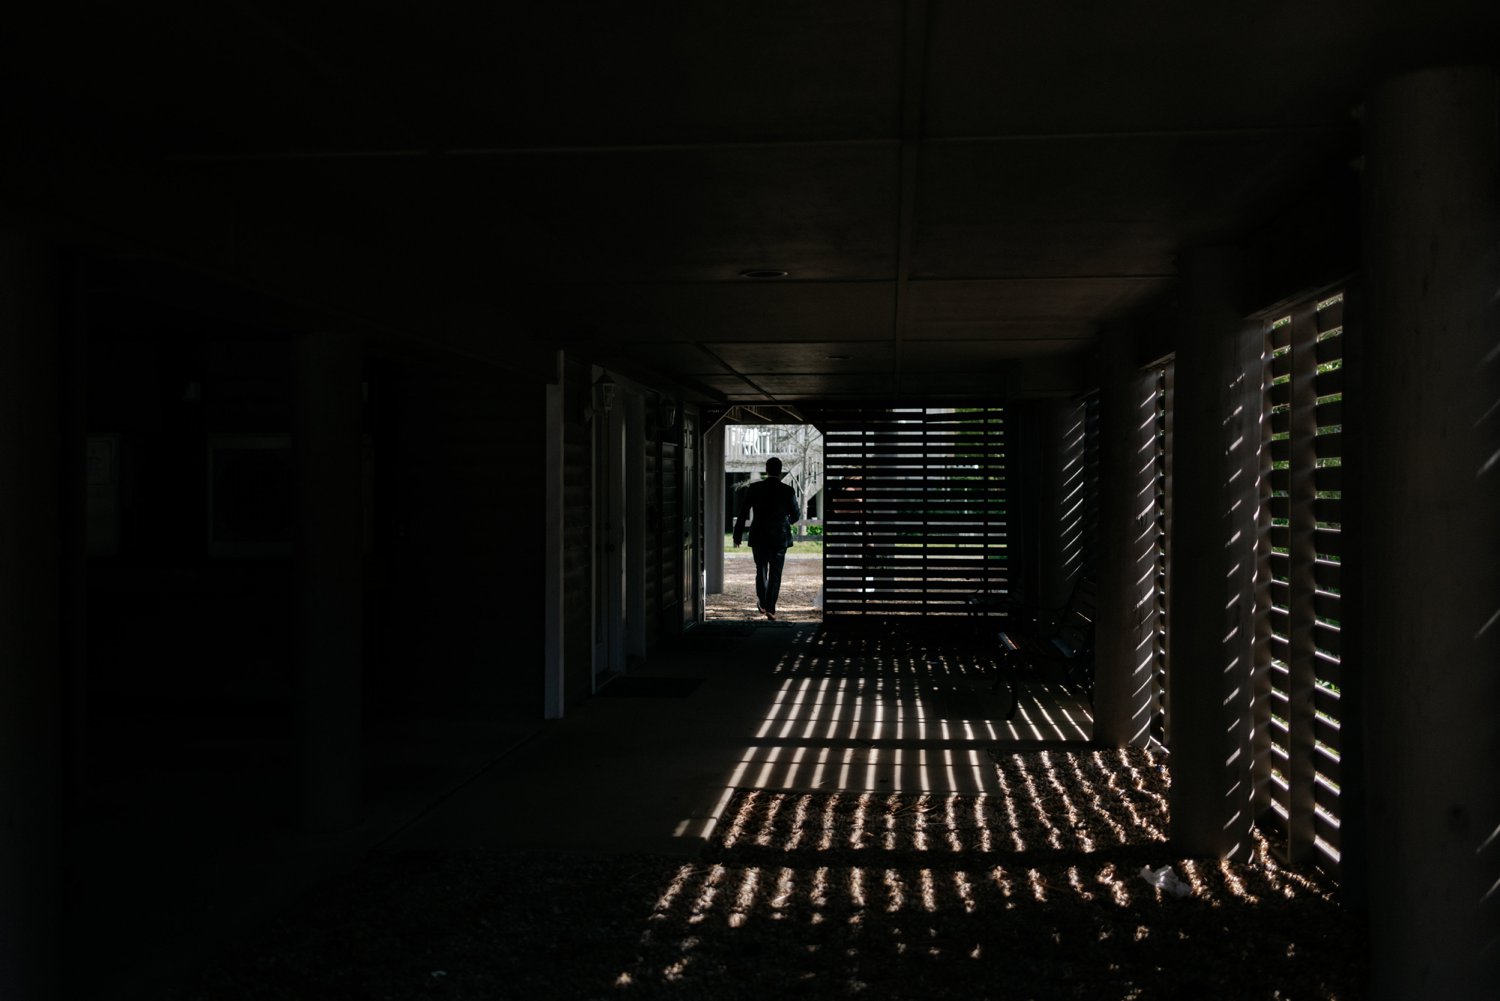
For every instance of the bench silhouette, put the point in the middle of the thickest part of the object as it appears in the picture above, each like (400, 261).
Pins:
(1038, 642)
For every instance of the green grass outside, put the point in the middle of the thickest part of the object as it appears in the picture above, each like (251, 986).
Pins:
(802, 547)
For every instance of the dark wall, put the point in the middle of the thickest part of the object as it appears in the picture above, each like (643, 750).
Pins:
(454, 591)
(170, 622)
(191, 578)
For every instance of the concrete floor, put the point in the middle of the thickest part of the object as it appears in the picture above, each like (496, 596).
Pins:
(177, 867)
(188, 840)
(624, 773)
(779, 706)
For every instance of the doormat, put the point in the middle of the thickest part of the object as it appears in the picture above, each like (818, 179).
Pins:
(637, 687)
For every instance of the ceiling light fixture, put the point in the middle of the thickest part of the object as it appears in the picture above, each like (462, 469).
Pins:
(763, 273)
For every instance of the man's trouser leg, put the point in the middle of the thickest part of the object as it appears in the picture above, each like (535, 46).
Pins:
(760, 578)
(768, 565)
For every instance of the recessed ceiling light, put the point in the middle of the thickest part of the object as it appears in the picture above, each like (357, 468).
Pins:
(763, 273)
(838, 357)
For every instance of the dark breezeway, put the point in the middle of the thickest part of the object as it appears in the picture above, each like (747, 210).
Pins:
(364, 390)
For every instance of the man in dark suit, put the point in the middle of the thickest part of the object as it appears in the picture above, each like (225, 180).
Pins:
(771, 507)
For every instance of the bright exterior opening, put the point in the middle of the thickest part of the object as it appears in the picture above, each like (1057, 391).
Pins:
(800, 449)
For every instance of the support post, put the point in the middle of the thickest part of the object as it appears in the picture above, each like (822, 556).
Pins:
(1429, 368)
(31, 615)
(1212, 603)
(713, 510)
(1125, 628)
(327, 370)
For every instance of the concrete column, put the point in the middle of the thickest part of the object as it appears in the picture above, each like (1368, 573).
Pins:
(713, 510)
(1126, 558)
(1215, 496)
(31, 682)
(329, 578)
(1429, 371)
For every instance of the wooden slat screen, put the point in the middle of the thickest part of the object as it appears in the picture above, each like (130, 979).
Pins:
(1303, 552)
(691, 515)
(917, 520)
(1077, 504)
(1162, 503)
(1328, 447)
(1089, 509)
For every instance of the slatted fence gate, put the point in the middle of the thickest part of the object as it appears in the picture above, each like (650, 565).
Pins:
(917, 520)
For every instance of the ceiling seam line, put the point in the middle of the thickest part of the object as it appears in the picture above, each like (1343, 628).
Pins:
(1021, 137)
(503, 151)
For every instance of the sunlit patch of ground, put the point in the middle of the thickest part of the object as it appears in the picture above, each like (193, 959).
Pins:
(799, 601)
(1036, 893)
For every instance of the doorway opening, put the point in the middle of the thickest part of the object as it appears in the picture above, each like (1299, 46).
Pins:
(746, 449)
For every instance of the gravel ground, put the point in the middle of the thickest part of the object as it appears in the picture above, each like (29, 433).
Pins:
(1036, 893)
(799, 600)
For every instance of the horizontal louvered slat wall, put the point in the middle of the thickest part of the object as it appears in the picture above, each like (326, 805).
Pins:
(1278, 725)
(1088, 504)
(1162, 532)
(1328, 541)
(917, 519)
(1305, 545)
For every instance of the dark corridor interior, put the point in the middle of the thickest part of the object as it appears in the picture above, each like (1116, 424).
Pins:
(364, 377)
(833, 810)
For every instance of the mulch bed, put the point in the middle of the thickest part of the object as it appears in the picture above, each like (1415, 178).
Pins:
(1036, 893)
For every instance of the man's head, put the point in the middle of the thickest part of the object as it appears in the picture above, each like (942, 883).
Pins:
(773, 467)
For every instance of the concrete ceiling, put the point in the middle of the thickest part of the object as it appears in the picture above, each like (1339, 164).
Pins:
(963, 194)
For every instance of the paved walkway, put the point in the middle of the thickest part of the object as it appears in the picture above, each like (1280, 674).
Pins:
(765, 705)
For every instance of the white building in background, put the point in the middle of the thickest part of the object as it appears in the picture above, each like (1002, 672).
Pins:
(798, 446)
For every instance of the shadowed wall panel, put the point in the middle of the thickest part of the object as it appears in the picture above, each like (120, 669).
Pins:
(466, 491)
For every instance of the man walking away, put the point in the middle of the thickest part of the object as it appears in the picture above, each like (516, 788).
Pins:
(771, 507)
